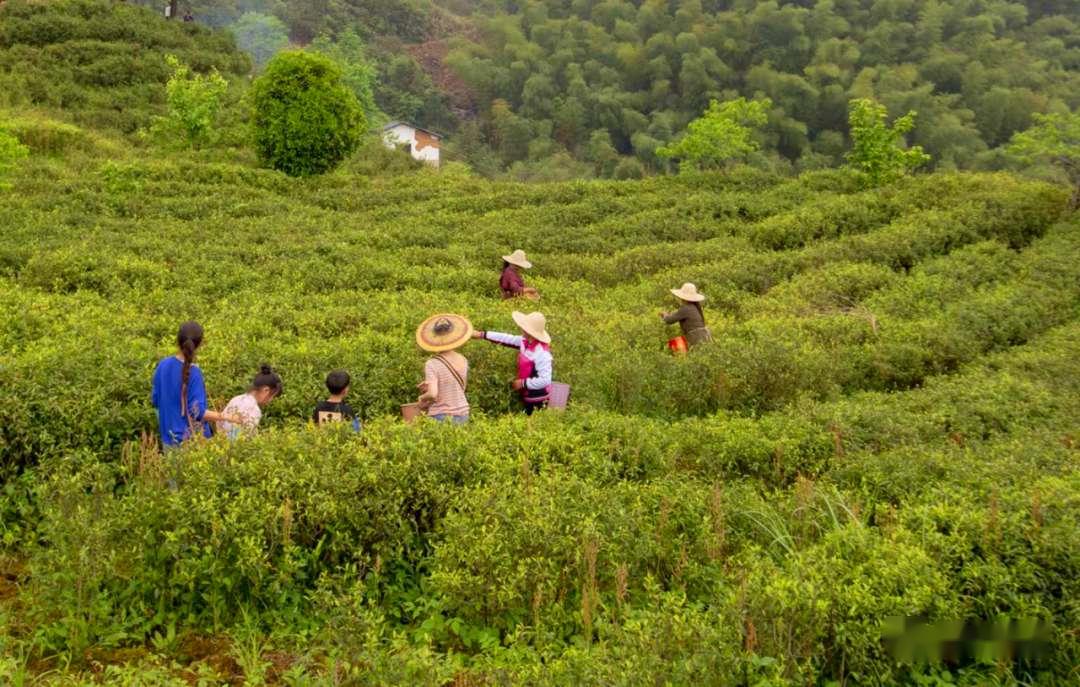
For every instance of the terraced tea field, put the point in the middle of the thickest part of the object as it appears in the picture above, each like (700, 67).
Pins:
(885, 427)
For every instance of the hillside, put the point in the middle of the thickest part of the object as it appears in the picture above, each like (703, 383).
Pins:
(101, 64)
(634, 73)
(550, 89)
(884, 431)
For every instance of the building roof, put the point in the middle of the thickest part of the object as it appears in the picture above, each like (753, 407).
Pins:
(391, 125)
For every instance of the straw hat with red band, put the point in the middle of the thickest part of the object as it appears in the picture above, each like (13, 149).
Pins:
(534, 324)
(689, 293)
(518, 258)
(443, 332)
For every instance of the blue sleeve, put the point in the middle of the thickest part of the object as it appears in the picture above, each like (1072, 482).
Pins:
(196, 394)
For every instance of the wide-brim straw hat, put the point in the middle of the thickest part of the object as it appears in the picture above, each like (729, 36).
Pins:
(689, 292)
(518, 258)
(534, 324)
(443, 332)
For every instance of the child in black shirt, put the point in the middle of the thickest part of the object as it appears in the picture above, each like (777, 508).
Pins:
(334, 408)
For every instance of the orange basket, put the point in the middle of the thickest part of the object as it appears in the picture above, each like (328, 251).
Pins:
(678, 345)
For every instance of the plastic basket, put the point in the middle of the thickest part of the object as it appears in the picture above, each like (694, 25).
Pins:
(678, 345)
(559, 395)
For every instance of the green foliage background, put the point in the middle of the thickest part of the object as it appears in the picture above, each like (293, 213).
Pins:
(886, 425)
(975, 72)
(503, 74)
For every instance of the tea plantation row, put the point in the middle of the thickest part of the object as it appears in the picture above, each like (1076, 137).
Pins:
(885, 427)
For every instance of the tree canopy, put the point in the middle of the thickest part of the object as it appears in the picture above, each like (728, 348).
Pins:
(1055, 138)
(305, 118)
(641, 71)
(877, 149)
(724, 133)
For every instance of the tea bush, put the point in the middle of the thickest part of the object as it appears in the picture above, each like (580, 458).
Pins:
(884, 426)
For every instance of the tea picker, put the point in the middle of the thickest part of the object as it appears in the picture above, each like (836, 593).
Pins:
(535, 362)
(265, 387)
(178, 392)
(446, 374)
(511, 283)
(691, 319)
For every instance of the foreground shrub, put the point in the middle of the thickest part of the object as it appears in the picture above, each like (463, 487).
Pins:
(306, 120)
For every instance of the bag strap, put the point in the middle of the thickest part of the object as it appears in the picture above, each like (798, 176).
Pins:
(457, 375)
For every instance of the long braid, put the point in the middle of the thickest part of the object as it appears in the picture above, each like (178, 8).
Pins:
(187, 349)
(189, 338)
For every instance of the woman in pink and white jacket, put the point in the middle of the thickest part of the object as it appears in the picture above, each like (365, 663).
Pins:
(535, 363)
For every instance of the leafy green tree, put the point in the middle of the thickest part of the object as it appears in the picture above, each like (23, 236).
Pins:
(602, 154)
(305, 118)
(194, 101)
(358, 73)
(11, 151)
(261, 36)
(878, 149)
(510, 133)
(724, 133)
(1055, 138)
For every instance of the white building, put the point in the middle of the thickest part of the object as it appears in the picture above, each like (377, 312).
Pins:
(423, 144)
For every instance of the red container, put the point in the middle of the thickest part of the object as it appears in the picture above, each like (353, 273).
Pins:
(678, 345)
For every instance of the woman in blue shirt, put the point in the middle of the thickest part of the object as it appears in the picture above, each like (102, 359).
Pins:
(179, 392)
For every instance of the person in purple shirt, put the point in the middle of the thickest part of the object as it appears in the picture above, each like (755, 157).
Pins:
(511, 283)
(179, 392)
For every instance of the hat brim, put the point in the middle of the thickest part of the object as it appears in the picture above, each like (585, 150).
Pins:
(520, 263)
(689, 297)
(523, 325)
(428, 341)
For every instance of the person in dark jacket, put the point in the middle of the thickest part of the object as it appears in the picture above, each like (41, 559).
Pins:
(690, 316)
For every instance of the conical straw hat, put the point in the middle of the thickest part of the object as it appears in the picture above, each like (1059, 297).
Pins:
(689, 292)
(518, 258)
(534, 324)
(443, 332)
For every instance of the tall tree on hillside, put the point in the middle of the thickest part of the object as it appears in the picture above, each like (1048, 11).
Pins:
(724, 133)
(305, 119)
(305, 18)
(1055, 138)
(194, 101)
(878, 150)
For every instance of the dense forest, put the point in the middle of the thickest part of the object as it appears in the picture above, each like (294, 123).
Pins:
(563, 87)
(550, 89)
(554, 74)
